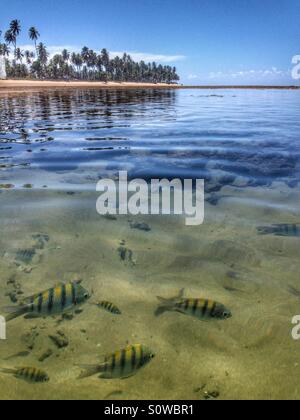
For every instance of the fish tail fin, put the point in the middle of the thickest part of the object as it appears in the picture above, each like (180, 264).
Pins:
(14, 312)
(167, 305)
(88, 371)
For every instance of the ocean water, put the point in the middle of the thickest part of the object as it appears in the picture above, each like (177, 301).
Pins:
(55, 146)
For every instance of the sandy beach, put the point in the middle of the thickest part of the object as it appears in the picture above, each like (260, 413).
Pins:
(58, 84)
(21, 85)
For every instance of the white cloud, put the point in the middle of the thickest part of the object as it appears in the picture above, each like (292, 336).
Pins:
(272, 73)
(148, 57)
(137, 56)
(266, 76)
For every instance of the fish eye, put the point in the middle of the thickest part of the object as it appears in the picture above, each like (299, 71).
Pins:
(152, 356)
(86, 295)
(226, 314)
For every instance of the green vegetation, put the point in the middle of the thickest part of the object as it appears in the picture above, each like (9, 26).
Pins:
(86, 65)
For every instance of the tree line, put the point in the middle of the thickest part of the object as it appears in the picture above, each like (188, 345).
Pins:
(86, 65)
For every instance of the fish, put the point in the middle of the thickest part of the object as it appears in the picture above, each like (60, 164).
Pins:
(110, 307)
(283, 229)
(30, 374)
(121, 364)
(57, 300)
(203, 309)
(25, 255)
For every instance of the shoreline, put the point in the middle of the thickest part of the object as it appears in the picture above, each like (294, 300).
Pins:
(23, 85)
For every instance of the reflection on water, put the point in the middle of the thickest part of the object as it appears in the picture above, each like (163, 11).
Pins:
(53, 149)
(240, 138)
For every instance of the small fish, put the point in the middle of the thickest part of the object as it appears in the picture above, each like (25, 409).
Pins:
(280, 230)
(203, 309)
(140, 226)
(57, 300)
(30, 374)
(110, 307)
(25, 255)
(121, 364)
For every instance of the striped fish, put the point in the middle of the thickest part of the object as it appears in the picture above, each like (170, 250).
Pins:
(204, 309)
(30, 374)
(109, 307)
(121, 364)
(280, 230)
(59, 299)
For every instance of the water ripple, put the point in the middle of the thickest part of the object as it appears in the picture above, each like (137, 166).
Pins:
(160, 133)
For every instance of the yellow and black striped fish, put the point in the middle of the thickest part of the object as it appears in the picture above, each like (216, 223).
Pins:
(283, 229)
(203, 309)
(109, 307)
(120, 364)
(30, 374)
(54, 301)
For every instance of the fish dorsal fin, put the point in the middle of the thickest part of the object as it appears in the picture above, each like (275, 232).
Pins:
(172, 299)
(77, 281)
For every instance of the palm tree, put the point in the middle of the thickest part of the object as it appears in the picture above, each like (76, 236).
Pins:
(65, 55)
(42, 53)
(85, 65)
(19, 55)
(10, 38)
(34, 35)
(106, 62)
(15, 29)
(29, 55)
(92, 61)
(77, 61)
(105, 58)
(4, 50)
(85, 54)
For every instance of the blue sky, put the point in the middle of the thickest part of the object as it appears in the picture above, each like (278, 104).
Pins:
(210, 41)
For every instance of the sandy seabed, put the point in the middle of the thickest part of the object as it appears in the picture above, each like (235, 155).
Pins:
(252, 355)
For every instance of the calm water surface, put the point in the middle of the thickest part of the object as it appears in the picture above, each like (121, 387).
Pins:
(55, 146)
(196, 134)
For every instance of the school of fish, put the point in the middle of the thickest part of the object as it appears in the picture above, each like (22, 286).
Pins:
(119, 364)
